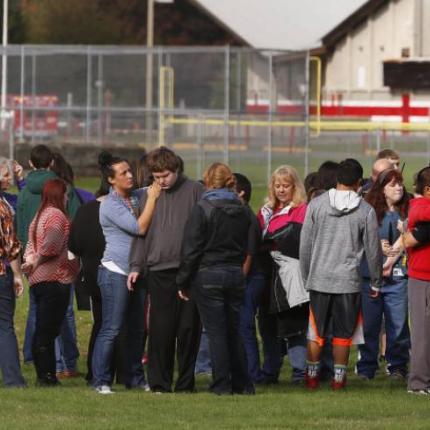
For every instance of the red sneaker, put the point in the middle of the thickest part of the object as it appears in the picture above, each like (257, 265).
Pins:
(312, 383)
(336, 386)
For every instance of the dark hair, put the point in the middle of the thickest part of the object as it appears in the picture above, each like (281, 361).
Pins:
(106, 163)
(327, 175)
(422, 180)
(376, 197)
(161, 159)
(142, 177)
(387, 153)
(62, 168)
(52, 195)
(243, 184)
(312, 186)
(103, 189)
(349, 172)
(41, 157)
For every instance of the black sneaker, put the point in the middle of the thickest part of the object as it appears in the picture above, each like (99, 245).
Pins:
(398, 375)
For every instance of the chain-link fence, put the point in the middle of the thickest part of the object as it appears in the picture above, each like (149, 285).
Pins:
(242, 106)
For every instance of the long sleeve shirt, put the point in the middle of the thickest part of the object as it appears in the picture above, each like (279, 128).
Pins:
(50, 240)
(9, 244)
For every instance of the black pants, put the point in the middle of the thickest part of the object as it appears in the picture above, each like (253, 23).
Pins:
(52, 300)
(219, 292)
(119, 347)
(173, 324)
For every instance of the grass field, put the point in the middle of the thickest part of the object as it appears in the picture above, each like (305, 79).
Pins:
(379, 404)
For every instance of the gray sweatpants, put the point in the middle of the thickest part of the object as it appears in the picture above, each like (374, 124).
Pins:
(419, 311)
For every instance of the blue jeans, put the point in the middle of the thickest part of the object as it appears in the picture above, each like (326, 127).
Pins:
(203, 362)
(9, 356)
(119, 307)
(219, 293)
(66, 350)
(296, 351)
(267, 326)
(393, 305)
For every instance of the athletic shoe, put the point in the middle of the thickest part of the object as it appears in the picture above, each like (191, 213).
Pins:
(312, 383)
(337, 386)
(143, 387)
(68, 374)
(398, 374)
(422, 392)
(103, 389)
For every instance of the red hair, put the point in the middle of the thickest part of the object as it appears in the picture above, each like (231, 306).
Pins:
(376, 197)
(52, 196)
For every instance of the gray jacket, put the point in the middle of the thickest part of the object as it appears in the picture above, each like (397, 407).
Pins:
(339, 227)
(160, 248)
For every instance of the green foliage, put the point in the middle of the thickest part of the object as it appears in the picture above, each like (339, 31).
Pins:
(70, 21)
(16, 24)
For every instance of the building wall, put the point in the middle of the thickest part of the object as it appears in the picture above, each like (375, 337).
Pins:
(354, 69)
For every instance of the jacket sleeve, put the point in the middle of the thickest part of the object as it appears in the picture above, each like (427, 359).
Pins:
(76, 229)
(137, 249)
(306, 239)
(372, 249)
(137, 255)
(192, 247)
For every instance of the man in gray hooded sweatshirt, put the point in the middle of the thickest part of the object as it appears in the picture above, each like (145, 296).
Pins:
(339, 228)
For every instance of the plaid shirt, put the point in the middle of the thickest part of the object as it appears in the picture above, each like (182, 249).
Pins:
(9, 244)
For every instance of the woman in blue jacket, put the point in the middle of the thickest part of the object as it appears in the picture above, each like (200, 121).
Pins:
(391, 201)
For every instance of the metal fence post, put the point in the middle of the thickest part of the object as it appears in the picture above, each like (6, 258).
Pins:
(22, 89)
(33, 95)
(270, 115)
(307, 124)
(99, 85)
(226, 104)
(88, 113)
(199, 167)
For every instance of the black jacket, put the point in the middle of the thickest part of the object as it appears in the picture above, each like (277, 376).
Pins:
(291, 321)
(216, 234)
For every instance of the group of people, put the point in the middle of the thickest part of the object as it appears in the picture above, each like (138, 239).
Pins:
(327, 262)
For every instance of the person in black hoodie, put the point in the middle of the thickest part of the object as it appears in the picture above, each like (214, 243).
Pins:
(213, 252)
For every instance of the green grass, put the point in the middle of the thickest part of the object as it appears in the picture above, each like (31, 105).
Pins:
(379, 404)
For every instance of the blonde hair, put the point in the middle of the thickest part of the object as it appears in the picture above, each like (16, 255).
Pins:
(289, 174)
(4, 162)
(219, 175)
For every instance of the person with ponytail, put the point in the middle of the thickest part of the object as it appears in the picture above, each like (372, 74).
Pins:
(213, 252)
(50, 273)
(122, 302)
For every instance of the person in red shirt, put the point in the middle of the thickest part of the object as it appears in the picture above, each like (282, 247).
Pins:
(417, 241)
(50, 273)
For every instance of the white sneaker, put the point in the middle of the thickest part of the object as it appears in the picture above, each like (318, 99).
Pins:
(104, 389)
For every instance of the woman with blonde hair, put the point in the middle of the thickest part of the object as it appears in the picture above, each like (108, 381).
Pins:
(213, 253)
(281, 220)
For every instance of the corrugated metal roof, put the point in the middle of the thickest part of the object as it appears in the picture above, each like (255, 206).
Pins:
(281, 24)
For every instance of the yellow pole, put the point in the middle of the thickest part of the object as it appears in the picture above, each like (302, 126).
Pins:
(317, 61)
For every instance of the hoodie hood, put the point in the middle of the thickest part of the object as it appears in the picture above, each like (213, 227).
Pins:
(36, 180)
(343, 202)
(225, 200)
